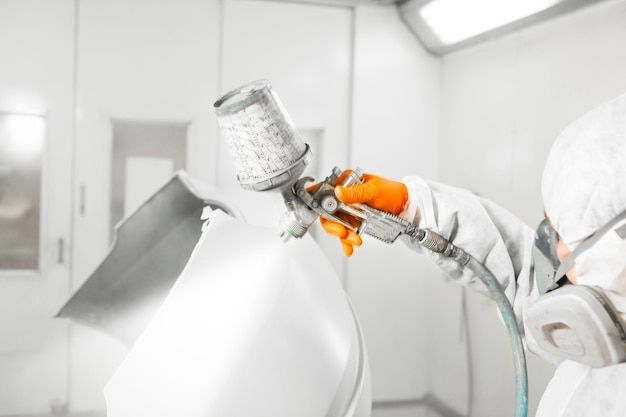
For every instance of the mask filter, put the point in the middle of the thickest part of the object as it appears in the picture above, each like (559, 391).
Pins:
(578, 323)
(574, 322)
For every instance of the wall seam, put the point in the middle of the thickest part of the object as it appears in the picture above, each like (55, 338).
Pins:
(350, 126)
(73, 184)
(220, 86)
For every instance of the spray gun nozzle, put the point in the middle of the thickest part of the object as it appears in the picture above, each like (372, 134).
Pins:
(296, 220)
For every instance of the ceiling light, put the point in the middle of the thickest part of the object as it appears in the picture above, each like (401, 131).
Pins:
(446, 25)
(456, 20)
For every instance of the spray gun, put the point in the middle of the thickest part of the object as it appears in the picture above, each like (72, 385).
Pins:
(269, 154)
(379, 224)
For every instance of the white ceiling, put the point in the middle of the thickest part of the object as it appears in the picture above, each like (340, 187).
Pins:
(407, 11)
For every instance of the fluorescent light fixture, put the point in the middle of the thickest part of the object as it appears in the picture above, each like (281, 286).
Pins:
(456, 20)
(446, 25)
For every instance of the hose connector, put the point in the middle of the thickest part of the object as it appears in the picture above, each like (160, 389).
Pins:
(438, 244)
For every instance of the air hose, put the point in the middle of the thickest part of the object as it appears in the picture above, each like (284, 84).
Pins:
(437, 243)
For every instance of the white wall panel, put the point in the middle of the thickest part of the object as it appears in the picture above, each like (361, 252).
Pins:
(396, 101)
(395, 128)
(505, 101)
(304, 51)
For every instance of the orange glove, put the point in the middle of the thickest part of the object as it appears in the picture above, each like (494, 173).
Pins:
(347, 237)
(377, 192)
(380, 193)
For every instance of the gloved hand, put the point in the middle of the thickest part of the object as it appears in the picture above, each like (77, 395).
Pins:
(380, 193)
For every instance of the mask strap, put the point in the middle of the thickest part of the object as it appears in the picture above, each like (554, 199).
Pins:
(568, 262)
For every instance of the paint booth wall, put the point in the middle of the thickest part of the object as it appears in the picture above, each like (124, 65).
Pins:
(362, 90)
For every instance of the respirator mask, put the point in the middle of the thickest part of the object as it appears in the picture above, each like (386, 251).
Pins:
(575, 322)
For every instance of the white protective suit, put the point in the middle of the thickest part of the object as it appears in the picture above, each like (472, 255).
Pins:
(583, 187)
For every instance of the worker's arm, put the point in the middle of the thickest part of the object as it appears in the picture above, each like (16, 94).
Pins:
(492, 235)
